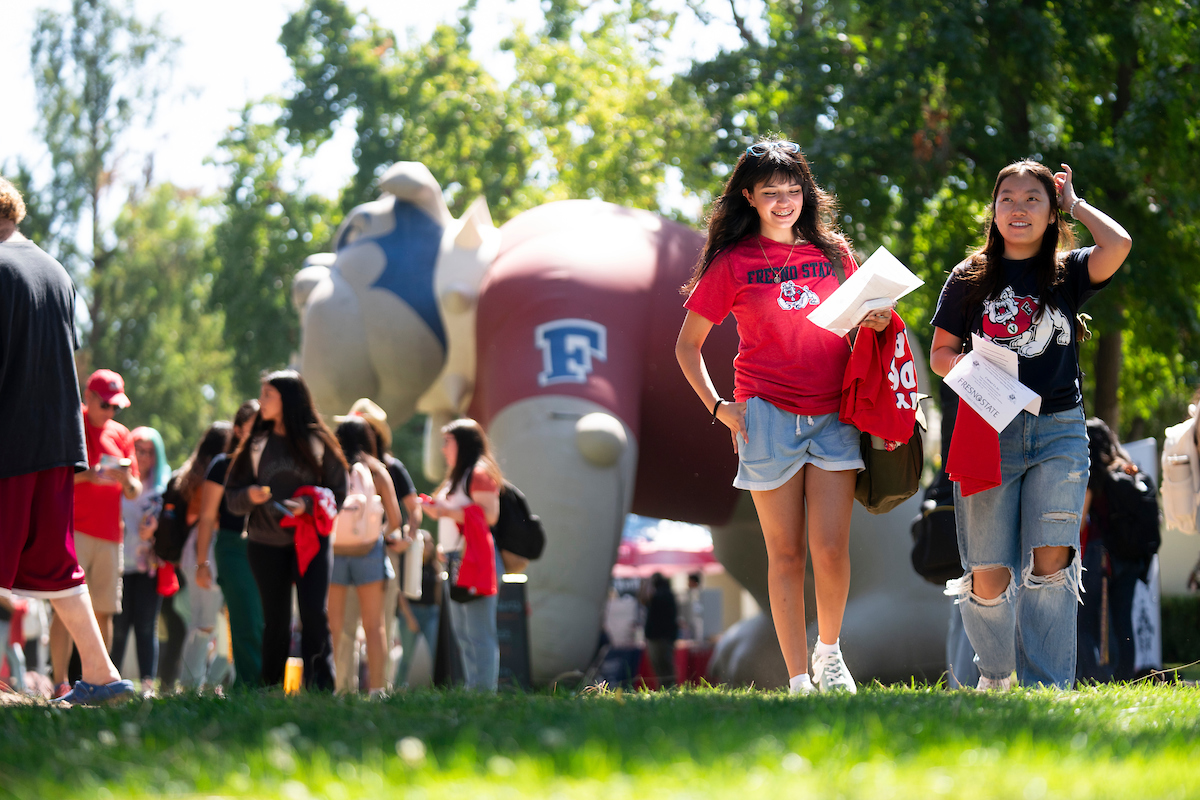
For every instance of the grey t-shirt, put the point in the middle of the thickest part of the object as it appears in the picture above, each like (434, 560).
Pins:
(41, 424)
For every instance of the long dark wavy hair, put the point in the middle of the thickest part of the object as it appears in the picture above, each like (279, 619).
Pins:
(246, 412)
(473, 448)
(300, 422)
(982, 269)
(1105, 453)
(732, 218)
(357, 439)
(214, 442)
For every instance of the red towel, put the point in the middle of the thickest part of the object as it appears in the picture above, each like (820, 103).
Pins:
(974, 458)
(310, 526)
(477, 573)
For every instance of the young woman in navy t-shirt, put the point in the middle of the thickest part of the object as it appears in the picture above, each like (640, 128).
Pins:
(769, 261)
(1019, 540)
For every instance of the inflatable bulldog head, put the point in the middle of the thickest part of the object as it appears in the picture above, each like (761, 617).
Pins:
(390, 313)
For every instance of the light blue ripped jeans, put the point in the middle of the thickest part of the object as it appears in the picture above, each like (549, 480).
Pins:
(1031, 626)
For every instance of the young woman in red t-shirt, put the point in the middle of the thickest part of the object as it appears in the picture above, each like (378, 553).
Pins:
(772, 243)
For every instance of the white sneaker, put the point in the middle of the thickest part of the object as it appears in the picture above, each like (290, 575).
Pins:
(994, 684)
(830, 674)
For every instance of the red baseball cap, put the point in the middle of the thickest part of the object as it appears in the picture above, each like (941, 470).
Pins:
(110, 386)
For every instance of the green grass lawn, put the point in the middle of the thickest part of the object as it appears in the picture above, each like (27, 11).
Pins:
(1113, 741)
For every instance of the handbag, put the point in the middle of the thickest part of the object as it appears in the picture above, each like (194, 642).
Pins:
(891, 476)
(935, 554)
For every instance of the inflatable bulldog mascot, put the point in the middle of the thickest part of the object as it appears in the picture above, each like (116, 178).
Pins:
(557, 332)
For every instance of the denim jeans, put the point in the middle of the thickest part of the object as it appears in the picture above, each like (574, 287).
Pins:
(205, 608)
(427, 616)
(1031, 626)
(478, 641)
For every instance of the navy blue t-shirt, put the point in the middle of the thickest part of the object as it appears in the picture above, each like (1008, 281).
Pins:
(1045, 347)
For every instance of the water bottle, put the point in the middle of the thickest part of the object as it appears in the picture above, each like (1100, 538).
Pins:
(414, 558)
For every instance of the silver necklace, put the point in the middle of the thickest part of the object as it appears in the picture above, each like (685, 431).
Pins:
(785, 261)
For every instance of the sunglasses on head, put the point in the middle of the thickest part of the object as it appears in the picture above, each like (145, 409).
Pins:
(760, 149)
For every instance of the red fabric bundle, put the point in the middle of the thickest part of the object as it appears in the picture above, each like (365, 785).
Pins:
(879, 391)
(477, 573)
(166, 581)
(974, 458)
(310, 526)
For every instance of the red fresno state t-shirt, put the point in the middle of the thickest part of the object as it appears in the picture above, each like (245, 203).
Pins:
(782, 357)
(98, 507)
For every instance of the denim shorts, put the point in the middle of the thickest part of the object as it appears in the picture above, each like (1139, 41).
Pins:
(779, 443)
(361, 570)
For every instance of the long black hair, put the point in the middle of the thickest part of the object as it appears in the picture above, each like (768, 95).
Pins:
(1105, 453)
(357, 438)
(246, 412)
(473, 448)
(214, 442)
(300, 423)
(982, 269)
(732, 218)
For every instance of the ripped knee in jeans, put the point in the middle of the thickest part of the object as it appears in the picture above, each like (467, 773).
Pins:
(1067, 577)
(963, 589)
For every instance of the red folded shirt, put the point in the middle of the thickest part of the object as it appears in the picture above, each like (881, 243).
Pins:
(310, 526)
(879, 390)
(974, 458)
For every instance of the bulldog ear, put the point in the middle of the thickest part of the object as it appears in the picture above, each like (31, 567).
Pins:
(412, 182)
(475, 222)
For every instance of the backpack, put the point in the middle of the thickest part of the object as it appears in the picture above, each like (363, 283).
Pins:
(518, 530)
(360, 520)
(1131, 531)
(1181, 476)
(173, 528)
(935, 554)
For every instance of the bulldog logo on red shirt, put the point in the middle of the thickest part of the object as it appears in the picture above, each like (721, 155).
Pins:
(1011, 321)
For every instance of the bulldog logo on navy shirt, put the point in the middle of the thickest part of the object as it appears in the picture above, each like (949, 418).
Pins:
(1010, 320)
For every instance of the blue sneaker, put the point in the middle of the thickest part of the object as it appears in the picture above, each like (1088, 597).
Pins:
(89, 694)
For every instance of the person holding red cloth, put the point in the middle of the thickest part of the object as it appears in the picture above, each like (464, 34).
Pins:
(1019, 539)
(289, 448)
(770, 260)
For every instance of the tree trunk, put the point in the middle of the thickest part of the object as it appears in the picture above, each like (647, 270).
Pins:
(1107, 368)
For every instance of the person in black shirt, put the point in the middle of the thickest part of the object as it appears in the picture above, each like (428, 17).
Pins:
(290, 448)
(41, 428)
(1020, 540)
(662, 629)
(227, 558)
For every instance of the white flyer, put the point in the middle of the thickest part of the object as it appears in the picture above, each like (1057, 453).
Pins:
(878, 283)
(994, 394)
(1006, 360)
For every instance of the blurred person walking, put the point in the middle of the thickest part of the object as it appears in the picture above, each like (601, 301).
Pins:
(471, 486)
(42, 428)
(290, 462)
(362, 534)
(204, 602)
(140, 600)
(230, 565)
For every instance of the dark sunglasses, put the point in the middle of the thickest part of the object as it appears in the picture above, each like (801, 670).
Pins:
(116, 409)
(760, 149)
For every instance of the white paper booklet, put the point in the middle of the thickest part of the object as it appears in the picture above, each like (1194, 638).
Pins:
(994, 394)
(878, 283)
(1006, 360)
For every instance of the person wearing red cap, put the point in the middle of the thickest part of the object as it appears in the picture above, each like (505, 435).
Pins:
(112, 472)
(42, 430)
